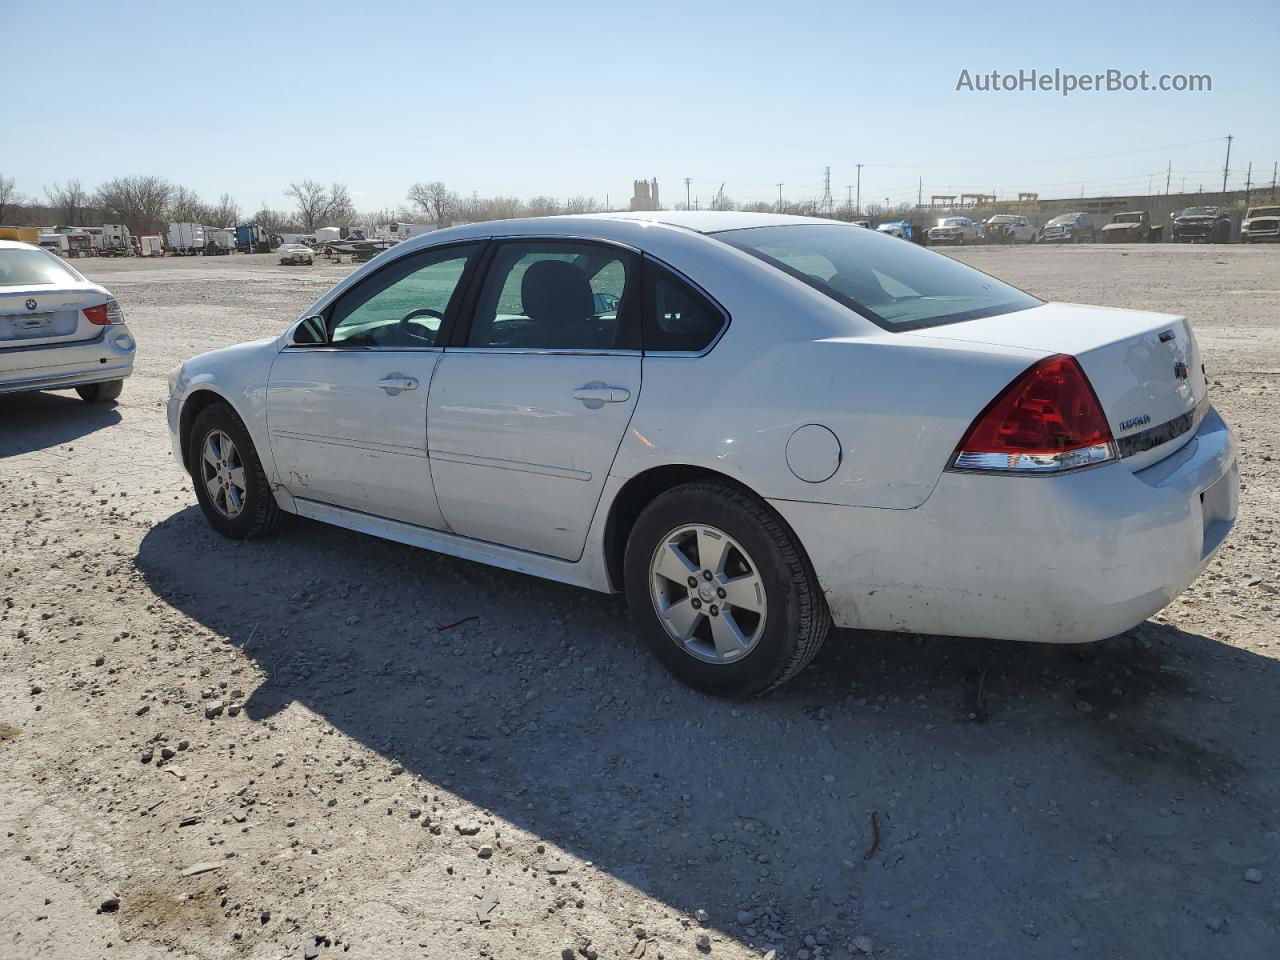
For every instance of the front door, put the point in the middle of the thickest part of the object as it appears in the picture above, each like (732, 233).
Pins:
(347, 402)
(526, 414)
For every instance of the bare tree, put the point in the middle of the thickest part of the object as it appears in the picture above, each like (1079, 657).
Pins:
(272, 221)
(224, 213)
(582, 205)
(68, 200)
(137, 202)
(721, 202)
(185, 206)
(318, 203)
(438, 201)
(9, 196)
(542, 207)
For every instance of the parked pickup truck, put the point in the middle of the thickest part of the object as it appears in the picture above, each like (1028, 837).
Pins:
(1261, 223)
(1132, 227)
(1008, 228)
(1201, 224)
(1069, 228)
(957, 230)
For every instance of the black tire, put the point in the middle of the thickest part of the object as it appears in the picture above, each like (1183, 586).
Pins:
(101, 392)
(260, 515)
(797, 619)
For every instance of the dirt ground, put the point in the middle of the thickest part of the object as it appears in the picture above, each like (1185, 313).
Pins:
(281, 748)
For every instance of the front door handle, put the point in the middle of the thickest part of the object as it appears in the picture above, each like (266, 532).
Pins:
(395, 383)
(602, 394)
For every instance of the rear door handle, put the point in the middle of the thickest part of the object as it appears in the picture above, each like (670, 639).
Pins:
(602, 394)
(395, 383)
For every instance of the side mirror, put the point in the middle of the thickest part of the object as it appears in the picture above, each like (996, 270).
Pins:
(311, 331)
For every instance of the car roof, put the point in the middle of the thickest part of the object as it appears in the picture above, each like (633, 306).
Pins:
(623, 227)
(18, 245)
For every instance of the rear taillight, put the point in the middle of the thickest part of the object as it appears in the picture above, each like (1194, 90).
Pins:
(104, 313)
(1048, 420)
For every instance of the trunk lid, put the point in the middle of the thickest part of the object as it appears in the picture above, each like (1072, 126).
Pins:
(55, 318)
(1144, 367)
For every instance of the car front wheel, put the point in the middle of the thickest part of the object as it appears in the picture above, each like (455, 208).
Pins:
(229, 478)
(101, 392)
(724, 595)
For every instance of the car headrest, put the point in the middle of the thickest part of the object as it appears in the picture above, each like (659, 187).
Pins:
(556, 292)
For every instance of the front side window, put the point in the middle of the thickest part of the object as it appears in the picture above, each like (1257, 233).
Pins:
(553, 295)
(898, 286)
(404, 304)
(18, 268)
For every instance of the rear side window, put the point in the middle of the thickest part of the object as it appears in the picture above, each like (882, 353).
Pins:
(21, 267)
(896, 285)
(677, 319)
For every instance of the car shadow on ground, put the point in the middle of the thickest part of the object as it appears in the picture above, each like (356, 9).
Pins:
(37, 421)
(1024, 796)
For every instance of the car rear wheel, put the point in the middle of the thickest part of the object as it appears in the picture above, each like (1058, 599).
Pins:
(101, 392)
(723, 593)
(229, 478)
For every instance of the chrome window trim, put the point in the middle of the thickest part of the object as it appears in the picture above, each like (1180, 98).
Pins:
(546, 351)
(327, 348)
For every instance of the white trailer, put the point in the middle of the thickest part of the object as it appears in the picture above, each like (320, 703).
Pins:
(325, 234)
(151, 245)
(186, 239)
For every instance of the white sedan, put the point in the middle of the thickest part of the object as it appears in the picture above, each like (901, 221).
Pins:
(57, 329)
(296, 253)
(754, 425)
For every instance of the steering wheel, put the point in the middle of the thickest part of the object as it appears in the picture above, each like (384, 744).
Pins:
(407, 328)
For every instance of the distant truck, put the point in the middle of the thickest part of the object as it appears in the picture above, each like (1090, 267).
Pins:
(251, 238)
(151, 245)
(186, 239)
(1075, 227)
(1201, 225)
(115, 241)
(218, 241)
(1131, 227)
(1261, 224)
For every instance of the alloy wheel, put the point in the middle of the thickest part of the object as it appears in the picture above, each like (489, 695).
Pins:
(708, 593)
(223, 474)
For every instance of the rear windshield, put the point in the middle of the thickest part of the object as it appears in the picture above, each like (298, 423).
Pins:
(891, 282)
(18, 268)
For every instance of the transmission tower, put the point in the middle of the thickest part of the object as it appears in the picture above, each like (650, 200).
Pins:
(826, 203)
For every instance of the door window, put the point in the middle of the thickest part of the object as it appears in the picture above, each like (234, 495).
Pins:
(403, 305)
(545, 295)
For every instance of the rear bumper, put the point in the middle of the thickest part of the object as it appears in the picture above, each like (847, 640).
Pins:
(1068, 559)
(108, 356)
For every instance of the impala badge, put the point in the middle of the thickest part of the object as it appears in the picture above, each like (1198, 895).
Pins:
(31, 303)
(1135, 422)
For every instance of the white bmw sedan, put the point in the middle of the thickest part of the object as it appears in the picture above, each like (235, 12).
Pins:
(57, 329)
(753, 425)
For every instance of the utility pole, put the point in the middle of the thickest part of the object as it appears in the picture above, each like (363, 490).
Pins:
(1150, 178)
(1226, 167)
(858, 210)
(1168, 173)
(687, 181)
(779, 198)
(1248, 184)
(919, 192)
(1273, 180)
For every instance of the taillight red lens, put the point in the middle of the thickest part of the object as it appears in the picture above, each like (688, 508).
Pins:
(1047, 419)
(97, 314)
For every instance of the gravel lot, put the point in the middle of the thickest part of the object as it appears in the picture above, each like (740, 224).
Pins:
(281, 748)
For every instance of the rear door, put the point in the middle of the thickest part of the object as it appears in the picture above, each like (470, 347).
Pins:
(530, 401)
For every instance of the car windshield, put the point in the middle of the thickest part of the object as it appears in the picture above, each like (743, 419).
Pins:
(18, 268)
(1127, 218)
(1200, 211)
(1002, 218)
(1065, 218)
(1264, 212)
(897, 285)
(952, 222)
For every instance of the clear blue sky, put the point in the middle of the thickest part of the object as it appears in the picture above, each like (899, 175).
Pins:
(581, 98)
